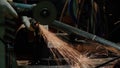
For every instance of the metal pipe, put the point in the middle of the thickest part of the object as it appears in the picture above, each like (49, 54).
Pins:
(72, 30)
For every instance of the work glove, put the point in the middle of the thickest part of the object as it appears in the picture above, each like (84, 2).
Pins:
(27, 23)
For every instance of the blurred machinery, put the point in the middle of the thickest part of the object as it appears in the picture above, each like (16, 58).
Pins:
(29, 45)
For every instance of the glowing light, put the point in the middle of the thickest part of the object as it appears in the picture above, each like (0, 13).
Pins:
(74, 58)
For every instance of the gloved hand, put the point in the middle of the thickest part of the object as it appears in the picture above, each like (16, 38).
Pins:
(27, 23)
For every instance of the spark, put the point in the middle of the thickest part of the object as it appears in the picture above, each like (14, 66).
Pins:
(74, 57)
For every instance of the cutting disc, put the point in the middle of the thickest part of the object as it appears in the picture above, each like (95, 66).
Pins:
(45, 12)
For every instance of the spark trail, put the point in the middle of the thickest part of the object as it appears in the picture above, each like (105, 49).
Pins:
(74, 58)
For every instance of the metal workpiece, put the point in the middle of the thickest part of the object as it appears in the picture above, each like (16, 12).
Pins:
(72, 30)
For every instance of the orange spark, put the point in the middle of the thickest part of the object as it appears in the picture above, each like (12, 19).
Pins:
(74, 58)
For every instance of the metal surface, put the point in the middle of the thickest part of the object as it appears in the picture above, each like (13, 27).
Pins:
(72, 30)
(44, 12)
